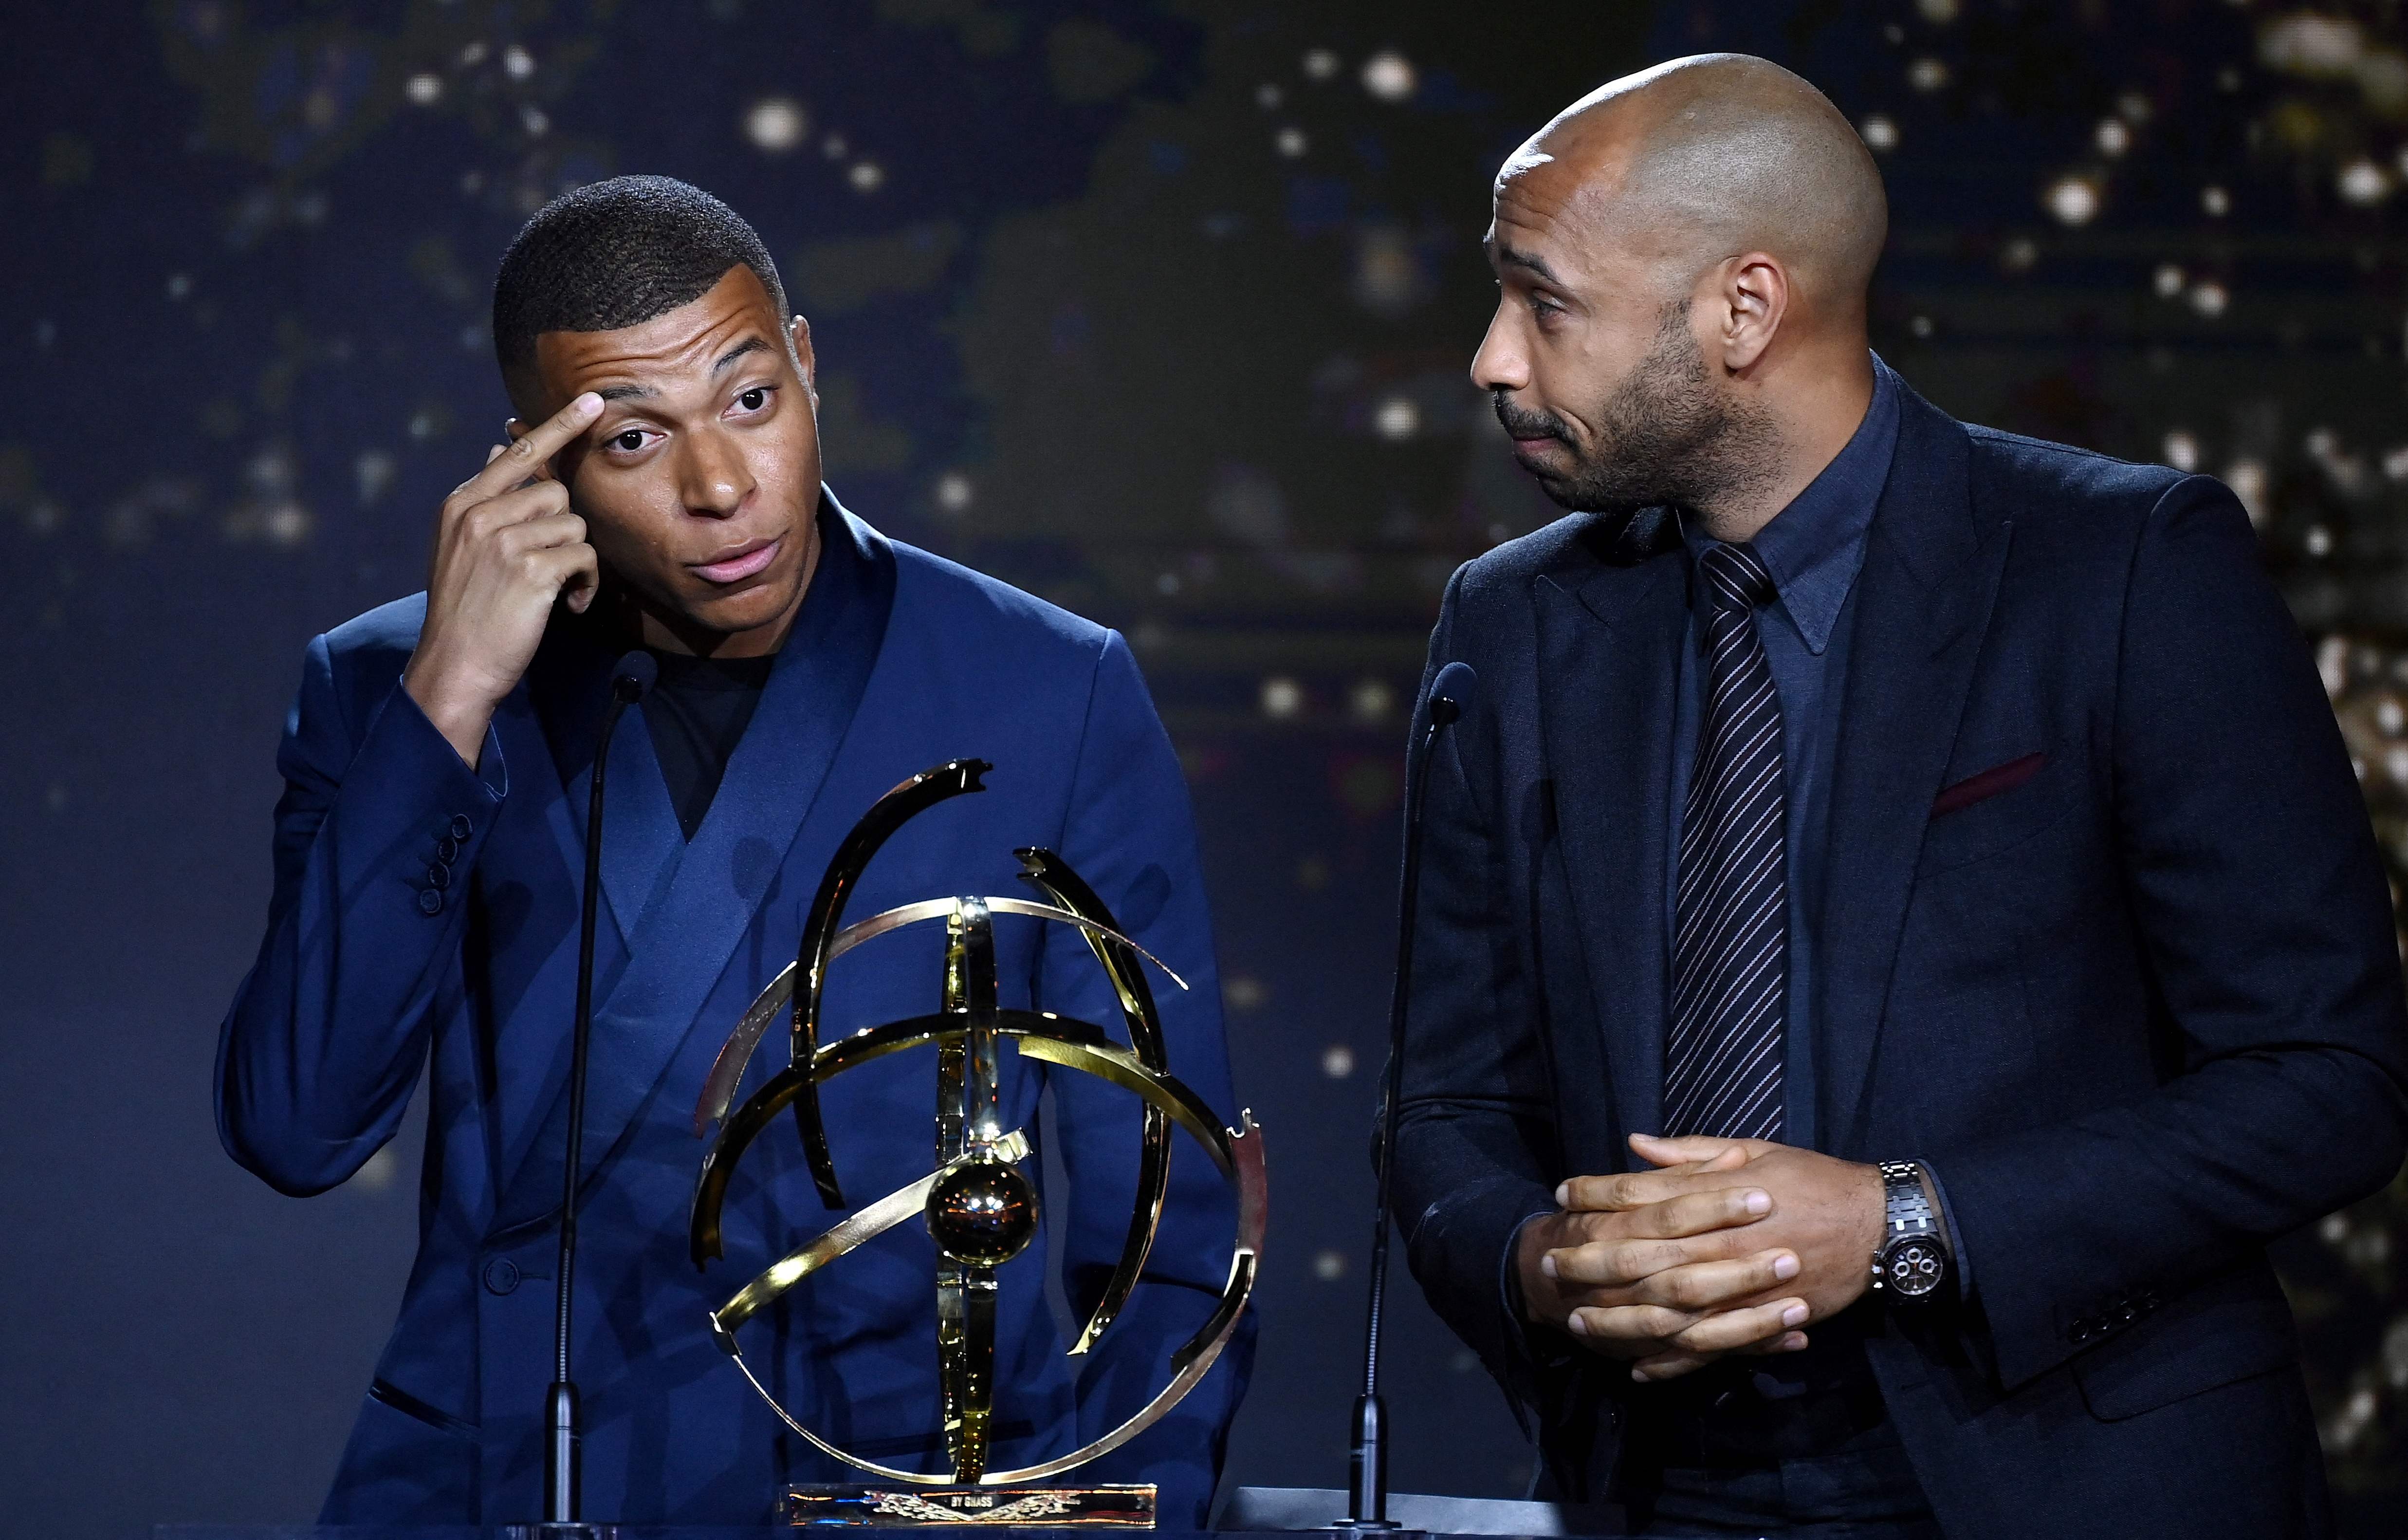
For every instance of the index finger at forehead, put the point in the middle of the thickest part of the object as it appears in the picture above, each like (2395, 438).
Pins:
(547, 438)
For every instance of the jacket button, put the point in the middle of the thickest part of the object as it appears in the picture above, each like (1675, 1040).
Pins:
(439, 875)
(461, 828)
(447, 849)
(501, 1276)
(429, 902)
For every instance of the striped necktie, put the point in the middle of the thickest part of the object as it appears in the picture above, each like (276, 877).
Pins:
(1731, 942)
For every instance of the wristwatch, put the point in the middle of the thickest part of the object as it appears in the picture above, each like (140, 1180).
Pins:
(1913, 1261)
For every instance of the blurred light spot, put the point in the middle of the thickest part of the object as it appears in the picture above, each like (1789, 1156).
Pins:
(1389, 275)
(2071, 200)
(1165, 583)
(2209, 298)
(1926, 75)
(1337, 1061)
(777, 124)
(1328, 1266)
(1320, 65)
(1282, 697)
(1370, 701)
(535, 121)
(1464, 1362)
(2215, 201)
(2332, 666)
(2019, 254)
(2363, 183)
(373, 471)
(2113, 136)
(2390, 718)
(178, 285)
(835, 147)
(285, 524)
(2249, 482)
(1880, 134)
(1920, 325)
(2395, 464)
(2311, 45)
(954, 492)
(1267, 95)
(2182, 450)
(1291, 142)
(2332, 1229)
(2167, 280)
(472, 182)
(377, 1174)
(473, 55)
(1389, 76)
(1938, 12)
(1893, 33)
(867, 176)
(2134, 107)
(426, 88)
(517, 63)
(1243, 992)
(2321, 444)
(2317, 541)
(1397, 419)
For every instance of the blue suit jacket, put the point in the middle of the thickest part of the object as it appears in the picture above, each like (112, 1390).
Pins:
(378, 968)
(2135, 994)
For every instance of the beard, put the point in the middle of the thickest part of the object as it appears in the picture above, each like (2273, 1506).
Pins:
(1665, 438)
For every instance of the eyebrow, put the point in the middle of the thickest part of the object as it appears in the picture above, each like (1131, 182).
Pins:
(624, 393)
(1506, 256)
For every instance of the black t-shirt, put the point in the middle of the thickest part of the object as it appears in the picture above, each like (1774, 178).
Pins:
(697, 713)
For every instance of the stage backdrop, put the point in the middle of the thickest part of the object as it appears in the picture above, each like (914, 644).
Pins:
(1161, 310)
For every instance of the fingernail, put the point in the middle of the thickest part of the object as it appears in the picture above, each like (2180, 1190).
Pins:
(1784, 1266)
(1547, 1265)
(1577, 1325)
(1563, 1193)
(1757, 1202)
(1640, 1375)
(587, 404)
(1793, 1315)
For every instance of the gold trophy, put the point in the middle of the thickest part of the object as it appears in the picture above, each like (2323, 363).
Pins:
(980, 1207)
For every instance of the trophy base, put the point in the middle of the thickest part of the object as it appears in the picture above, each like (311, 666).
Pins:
(849, 1507)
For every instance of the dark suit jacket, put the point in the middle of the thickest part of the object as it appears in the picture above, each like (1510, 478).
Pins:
(2137, 999)
(373, 975)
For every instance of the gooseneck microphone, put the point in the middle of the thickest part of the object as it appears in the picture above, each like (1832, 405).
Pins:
(630, 677)
(1451, 695)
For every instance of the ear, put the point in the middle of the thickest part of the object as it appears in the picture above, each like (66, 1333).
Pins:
(1751, 299)
(798, 332)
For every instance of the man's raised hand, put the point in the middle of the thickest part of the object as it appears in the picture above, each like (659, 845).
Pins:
(505, 547)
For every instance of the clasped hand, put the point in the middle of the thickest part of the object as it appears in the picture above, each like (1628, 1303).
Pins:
(1728, 1247)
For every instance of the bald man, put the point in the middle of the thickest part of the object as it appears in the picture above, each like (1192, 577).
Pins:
(1900, 930)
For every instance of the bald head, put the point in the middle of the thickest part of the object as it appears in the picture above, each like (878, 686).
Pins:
(1708, 157)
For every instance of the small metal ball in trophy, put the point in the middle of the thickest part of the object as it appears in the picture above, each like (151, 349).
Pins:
(979, 1208)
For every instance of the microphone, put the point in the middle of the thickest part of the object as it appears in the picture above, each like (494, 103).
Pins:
(1451, 695)
(630, 677)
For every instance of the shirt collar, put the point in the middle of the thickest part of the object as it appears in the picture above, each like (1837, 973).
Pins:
(1815, 547)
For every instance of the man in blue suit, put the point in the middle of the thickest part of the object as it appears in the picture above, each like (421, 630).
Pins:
(663, 490)
(1900, 930)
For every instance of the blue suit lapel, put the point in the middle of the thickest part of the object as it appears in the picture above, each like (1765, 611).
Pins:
(1608, 637)
(682, 939)
(1931, 571)
(643, 848)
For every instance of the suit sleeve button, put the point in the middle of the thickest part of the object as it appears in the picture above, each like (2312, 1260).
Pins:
(447, 849)
(461, 828)
(429, 902)
(438, 877)
(501, 1276)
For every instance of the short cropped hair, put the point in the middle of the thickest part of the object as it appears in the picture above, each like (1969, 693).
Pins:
(617, 253)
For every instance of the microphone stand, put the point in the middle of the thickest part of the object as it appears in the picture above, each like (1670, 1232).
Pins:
(1368, 1458)
(562, 1474)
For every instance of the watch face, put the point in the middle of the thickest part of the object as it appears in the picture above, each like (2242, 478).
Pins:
(1914, 1266)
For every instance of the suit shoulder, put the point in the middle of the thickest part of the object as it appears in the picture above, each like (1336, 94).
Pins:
(387, 630)
(2035, 480)
(1508, 569)
(987, 613)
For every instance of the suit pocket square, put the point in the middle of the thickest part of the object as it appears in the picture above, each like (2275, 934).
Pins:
(1989, 783)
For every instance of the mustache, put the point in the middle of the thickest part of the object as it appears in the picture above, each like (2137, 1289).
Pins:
(1522, 422)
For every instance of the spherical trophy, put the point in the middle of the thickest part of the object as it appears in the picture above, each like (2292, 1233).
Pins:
(979, 1206)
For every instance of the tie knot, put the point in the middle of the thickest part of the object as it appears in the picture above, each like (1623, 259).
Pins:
(1736, 577)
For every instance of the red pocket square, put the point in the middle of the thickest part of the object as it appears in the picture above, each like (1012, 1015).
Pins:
(1989, 783)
